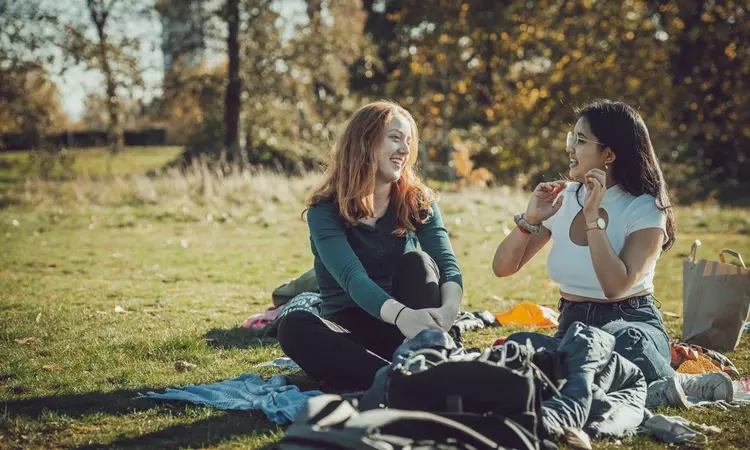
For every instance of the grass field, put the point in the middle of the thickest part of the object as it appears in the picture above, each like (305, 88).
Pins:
(91, 162)
(190, 257)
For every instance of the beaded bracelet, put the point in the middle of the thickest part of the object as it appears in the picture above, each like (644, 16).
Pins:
(522, 223)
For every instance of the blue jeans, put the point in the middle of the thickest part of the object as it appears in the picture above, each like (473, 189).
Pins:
(636, 324)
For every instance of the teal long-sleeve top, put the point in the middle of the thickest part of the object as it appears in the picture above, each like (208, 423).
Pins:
(353, 264)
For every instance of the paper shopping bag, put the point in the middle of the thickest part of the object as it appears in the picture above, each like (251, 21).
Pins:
(715, 300)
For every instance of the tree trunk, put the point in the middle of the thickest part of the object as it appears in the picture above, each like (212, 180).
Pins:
(115, 134)
(234, 88)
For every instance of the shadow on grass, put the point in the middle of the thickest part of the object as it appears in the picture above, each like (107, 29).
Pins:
(80, 405)
(237, 338)
(203, 433)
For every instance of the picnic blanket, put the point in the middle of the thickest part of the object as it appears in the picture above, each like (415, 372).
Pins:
(279, 401)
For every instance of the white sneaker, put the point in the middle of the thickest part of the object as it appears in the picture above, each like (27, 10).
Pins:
(712, 387)
(666, 392)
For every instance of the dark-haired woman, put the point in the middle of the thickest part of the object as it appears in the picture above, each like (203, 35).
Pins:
(608, 227)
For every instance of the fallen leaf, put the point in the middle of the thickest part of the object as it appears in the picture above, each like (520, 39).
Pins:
(16, 223)
(26, 340)
(121, 310)
(38, 317)
(670, 314)
(52, 367)
(183, 366)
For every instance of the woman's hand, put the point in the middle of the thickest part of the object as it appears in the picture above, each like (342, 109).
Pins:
(596, 182)
(542, 204)
(412, 321)
(444, 316)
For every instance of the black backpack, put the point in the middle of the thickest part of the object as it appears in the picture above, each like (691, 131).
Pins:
(496, 394)
(330, 422)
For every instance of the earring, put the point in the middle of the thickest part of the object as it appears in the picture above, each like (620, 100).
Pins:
(606, 167)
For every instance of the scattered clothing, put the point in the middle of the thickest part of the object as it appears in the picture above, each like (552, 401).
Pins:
(635, 323)
(530, 315)
(292, 288)
(604, 394)
(468, 321)
(306, 301)
(675, 430)
(279, 401)
(261, 320)
(280, 363)
(694, 358)
(741, 390)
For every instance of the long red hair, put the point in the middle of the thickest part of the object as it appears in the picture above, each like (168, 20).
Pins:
(352, 170)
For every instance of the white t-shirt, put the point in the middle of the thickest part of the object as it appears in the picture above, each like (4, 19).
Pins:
(570, 265)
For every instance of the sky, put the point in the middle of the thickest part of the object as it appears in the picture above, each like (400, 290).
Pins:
(75, 83)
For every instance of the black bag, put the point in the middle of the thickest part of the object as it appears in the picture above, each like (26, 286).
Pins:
(486, 393)
(330, 422)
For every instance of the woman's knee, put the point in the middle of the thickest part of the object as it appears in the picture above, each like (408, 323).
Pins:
(416, 280)
(416, 262)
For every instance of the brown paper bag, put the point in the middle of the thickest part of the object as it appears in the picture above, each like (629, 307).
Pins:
(715, 301)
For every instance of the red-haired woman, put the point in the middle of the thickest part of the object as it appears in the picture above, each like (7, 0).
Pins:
(377, 288)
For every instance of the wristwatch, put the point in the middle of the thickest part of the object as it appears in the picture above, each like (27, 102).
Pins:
(598, 224)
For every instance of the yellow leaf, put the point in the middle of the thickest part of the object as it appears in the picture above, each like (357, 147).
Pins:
(633, 82)
(183, 366)
(26, 340)
(52, 367)
(731, 50)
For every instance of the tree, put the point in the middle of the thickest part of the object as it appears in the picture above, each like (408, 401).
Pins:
(234, 82)
(710, 63)
(30, 104)
(111, 51)
(29, 101)
(293, 92)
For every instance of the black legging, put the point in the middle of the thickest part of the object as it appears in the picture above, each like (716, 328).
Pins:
(346, 349)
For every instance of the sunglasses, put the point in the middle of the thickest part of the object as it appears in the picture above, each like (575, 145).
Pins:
(572, 140)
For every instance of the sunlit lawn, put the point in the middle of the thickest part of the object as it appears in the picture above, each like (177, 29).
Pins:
(189, 272)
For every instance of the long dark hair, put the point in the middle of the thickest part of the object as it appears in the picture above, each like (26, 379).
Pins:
(636, 169)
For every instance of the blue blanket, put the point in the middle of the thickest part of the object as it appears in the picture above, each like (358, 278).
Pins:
(279, 401)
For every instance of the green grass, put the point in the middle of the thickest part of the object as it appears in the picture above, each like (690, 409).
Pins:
(190, 265)
(87, 161)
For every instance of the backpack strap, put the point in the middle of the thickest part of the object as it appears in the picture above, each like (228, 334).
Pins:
(408, 423)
